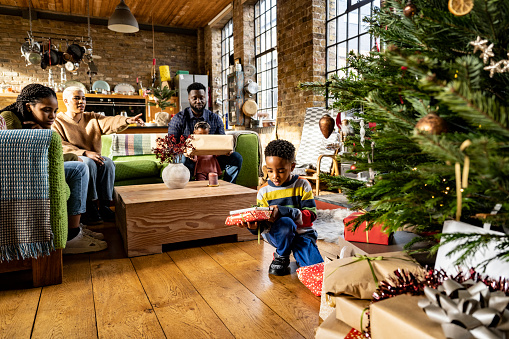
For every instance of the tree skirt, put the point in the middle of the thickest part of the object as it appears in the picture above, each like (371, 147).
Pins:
(329, 223)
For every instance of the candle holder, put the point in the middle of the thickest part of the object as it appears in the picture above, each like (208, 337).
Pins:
(213, 180)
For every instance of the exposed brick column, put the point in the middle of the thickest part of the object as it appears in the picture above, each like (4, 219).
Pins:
(213, 63)
(243, 31)
(301, 57)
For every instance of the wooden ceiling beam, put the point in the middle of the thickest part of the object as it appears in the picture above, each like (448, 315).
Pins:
(16, 11)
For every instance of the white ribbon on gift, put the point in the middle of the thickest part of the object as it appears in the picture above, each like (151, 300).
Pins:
(467, 311)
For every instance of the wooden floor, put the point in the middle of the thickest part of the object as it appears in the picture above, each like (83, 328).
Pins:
(209, 290)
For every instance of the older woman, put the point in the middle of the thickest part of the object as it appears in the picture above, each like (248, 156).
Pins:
(36, 107)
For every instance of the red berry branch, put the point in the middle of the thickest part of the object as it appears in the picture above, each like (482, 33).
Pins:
(169, 150)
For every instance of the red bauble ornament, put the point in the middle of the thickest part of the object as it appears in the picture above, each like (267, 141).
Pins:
(353, 167)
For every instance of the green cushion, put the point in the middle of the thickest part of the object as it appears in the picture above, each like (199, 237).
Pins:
(127, 170)
(247, 146)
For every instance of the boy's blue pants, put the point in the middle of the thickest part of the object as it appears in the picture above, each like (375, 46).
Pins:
(284, 237)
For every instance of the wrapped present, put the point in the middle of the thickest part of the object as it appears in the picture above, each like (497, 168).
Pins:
(358, 276)
(353, 312)
(327, 302)
(333, 328)
(312, 277)
(467, 310)
(249, 215)
(211, 144)
(401, 317)
(372, 236)
(495, 268)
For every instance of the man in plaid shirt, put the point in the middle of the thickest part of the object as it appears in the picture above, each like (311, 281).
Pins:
(183, 124)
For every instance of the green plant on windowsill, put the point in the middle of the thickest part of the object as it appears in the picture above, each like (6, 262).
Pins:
(162, 97)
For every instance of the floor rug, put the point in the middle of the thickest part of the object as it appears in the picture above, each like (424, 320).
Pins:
(329, 223)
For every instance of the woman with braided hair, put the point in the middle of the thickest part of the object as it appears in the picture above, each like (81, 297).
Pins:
(36, 108)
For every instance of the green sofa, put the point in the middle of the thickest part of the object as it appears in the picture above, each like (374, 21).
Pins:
(145, 169)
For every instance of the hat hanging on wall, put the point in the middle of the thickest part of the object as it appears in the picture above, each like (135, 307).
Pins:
(122, 20)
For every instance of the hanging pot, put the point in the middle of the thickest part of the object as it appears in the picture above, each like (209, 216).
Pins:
(54, 57)
(251, 88)
(76, 51)
(176, 176)
(326, 124)
(250, 107)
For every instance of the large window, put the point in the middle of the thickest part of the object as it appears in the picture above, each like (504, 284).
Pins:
(226, 51)
(346, 31)
(266, 58)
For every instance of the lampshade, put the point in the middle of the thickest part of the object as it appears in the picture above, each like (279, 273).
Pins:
(122, 20)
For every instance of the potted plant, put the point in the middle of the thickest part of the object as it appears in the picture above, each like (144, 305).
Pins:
(169, 151)
(162, 97)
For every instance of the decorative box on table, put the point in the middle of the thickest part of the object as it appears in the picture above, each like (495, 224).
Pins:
(372, 236)
(212, 144)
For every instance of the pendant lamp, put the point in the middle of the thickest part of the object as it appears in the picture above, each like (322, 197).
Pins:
(122, 20)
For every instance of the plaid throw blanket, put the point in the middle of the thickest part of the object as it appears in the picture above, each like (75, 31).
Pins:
(133, 144)
(25, 230)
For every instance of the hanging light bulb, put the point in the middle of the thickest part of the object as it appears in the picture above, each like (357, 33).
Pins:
(122, 20)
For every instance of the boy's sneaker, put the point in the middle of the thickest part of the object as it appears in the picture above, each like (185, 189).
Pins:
(90, 233)
(280, 265)
(84, 244)
(106, 213)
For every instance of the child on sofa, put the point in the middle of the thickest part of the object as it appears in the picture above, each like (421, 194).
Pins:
(290, 227)
(205, 164)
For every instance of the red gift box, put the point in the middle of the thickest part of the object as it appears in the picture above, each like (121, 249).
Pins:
(312, 277)
(248, 216)
(373, 236)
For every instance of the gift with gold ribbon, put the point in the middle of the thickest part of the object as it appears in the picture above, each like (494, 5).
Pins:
(373, 236)
(358, 276)
(468, 310)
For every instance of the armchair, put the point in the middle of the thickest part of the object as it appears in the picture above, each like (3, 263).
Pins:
(17, 251)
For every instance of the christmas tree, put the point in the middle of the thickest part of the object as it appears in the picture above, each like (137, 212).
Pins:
(438, 92)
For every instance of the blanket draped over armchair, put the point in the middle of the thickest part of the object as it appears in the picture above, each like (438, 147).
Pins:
(31, 177)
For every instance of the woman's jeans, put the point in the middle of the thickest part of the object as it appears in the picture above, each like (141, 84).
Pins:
(102, 179)
(76, 177)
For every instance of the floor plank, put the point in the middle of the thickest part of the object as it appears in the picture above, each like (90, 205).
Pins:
(122, 307)
(181, 310)
(58, 316)
(299, 312)
(17, 312)
(245, 315)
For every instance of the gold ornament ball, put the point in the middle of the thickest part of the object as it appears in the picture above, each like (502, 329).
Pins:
(432, 124)
(409, 10)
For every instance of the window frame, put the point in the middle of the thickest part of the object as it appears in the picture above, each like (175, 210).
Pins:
(351, 6)
(266, 53)
(226, 38)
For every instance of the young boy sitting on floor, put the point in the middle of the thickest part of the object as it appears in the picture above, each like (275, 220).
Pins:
(290, 227)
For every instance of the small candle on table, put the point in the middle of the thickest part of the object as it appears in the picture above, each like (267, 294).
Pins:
(213, 181)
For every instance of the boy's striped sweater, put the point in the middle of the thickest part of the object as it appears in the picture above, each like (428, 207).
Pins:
(294, 199)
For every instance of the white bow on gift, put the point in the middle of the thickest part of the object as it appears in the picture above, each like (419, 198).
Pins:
(467, 311)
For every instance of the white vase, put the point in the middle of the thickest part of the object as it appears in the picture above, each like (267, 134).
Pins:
(176, 176)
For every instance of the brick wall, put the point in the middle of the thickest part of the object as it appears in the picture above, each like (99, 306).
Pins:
(301, 57)
(124, 56)
(212, 43)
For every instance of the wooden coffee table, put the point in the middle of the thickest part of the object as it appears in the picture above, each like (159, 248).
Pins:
(149, 216)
